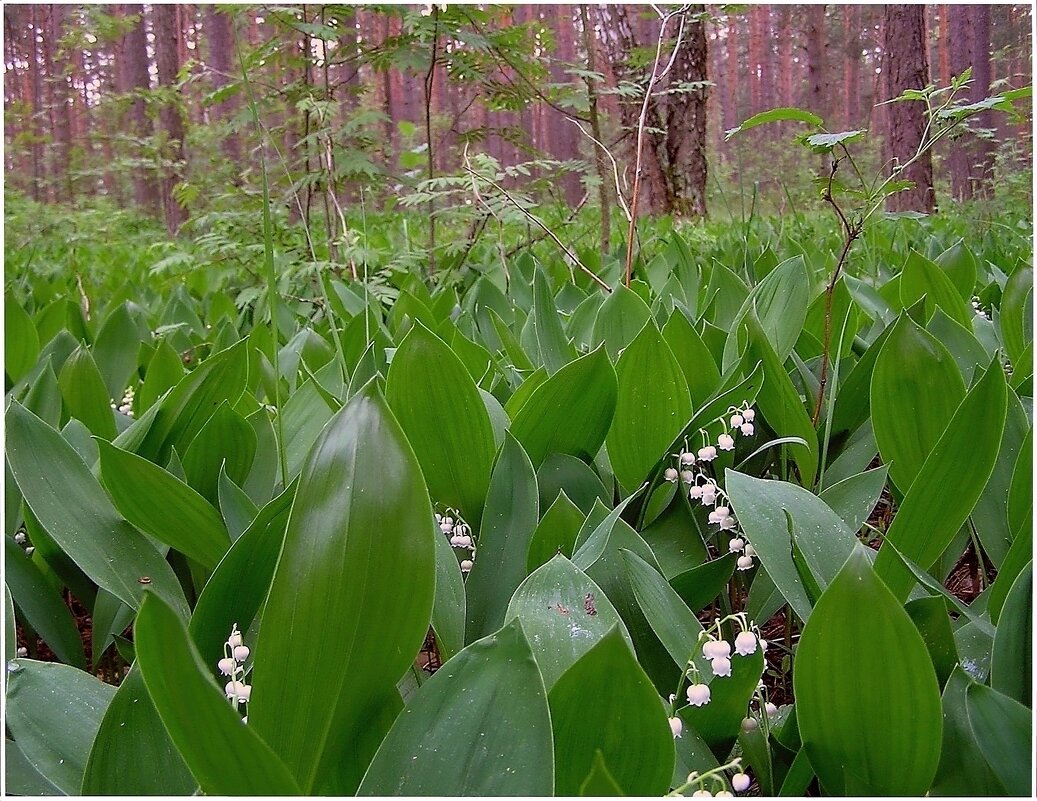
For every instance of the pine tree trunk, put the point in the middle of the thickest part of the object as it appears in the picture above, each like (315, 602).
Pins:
(851, 66)
(960, 46)
(907, 67)
(224, 69)
(167, 61)
(816, 59)
(757, 34)
(982, 164)
(132, 76)
(686, 123)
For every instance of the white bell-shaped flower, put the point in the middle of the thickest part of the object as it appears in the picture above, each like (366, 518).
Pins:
(736, 420)
(687, 458)
(227, 666)
(687, 477)
(446, 528)
(721, 666)
(745, 562)
(726, 442)
(703, 793)
(745, 643)
(749, 415)
(709, 494)
(241, 653)
(736, 544)
(698, 694)
(718, 514)
(716, 649)
(750, 724)
(770, 709)
(740, 782)
(670, 474)
(707, 453)
(695, 493)
(676, 726)
(747, 429)
(728, 523)
(234, 640)
(466, 565)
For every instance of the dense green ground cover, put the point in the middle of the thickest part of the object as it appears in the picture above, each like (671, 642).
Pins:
(624, 515)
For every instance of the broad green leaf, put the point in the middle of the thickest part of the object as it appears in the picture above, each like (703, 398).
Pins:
(1011, 662)
(226, 442)
(10, 626)
(1016, 559)
(555, 533)
(826, 142)
(653, 406)
(694, 358)
(84, 393)
(115, 349)
(1016, 327)
(20, 777)
(1003, 728)
(145, 494)
(606, 703)
(554, 349)
(962, 771)
(854, 498)
(188, 406)
(958, 263)
(699, 586)
(923, 278)
(859, 629)
(74, 510)
(236, 507)
(44, 397)
(224, 755)
(780, 403)
(479, 726)
(21, 342)
(570, 412)
(967, 351)
(41, 605)
(599, 781)
(561, 472)
(132, 753)
(929, 614)
(915, 388)
(620, 317)
(238, 587)
(675, 536)
(53, 712)
(509, 520)
(785, 114)
(303, 417)
(563, 613)
(445, 420)
(948, 484)
(323, 664)
(448, 610)
(764, 510)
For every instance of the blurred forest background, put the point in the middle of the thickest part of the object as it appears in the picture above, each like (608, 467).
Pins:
(146, 106)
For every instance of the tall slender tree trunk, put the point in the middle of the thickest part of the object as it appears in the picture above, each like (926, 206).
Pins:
(219, 34)
(39, 190)
(908, 68)
(56, 85)
(816, 59)
(132, 76)
(982, 164)
(959, 34)
(605, 177)
(686, 123)
(757, 36)
(167, 62)
(851, 66)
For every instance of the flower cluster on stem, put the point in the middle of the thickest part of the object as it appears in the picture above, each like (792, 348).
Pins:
(125, 406)
(711, 784)
(453, 526)
(235, 652)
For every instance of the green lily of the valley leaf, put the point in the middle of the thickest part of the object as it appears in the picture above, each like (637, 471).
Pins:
(555, 533)
(570, 412)
(75, 512)
(54, 712)
(358, 560)
(564, 613)
(653, 405)
(859, 629)
(1003, 729)
(224, 755)
(132, 753)
(479, 726)
(445, 420)
(915, 388)
(145, 494)
(606, 703)
(948, 484)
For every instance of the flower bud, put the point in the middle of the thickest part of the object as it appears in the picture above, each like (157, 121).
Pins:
(23, 651)
(30, 551)
(745, 643)
(703, 793)
(724, 794)
(763, 645)
(740, 782)
(670, 474)
(20, 538)
(748, 725)
(698, 694)
(234, 640)
(676, 726)
(749, 550)
(771, 709)
(721, 666)
(241, 653)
